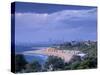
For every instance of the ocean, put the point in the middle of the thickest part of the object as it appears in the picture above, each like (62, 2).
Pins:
(35, 57)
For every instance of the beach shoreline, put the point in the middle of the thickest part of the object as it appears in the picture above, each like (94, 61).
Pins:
(66, 55)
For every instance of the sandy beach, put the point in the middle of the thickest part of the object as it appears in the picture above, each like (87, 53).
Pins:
(66, 55)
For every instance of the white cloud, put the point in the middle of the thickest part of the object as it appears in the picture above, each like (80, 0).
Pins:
(56, 17)
(57, 24)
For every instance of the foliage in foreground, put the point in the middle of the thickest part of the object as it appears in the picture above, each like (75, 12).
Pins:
(57, 64)
(20, 63)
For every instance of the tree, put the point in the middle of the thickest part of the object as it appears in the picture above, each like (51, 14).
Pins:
(85, 64)
(54, 63)
(88, 63)
(75, 58)
(20, 62)
(35, 66)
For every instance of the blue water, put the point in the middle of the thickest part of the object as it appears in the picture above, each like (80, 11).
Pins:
(40, 58)
(30, 58)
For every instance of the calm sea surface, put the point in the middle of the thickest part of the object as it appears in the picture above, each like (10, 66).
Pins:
(40, 58)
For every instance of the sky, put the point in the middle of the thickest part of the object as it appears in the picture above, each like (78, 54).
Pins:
(50, 23)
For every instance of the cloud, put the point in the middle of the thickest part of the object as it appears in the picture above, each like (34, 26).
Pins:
(55, 19)
(65, 22)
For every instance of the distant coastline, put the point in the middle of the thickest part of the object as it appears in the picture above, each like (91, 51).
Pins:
(66, 55)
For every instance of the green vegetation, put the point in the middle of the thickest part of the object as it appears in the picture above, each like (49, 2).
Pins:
(54, 64)
(88, 63)
(35, 66)
(20, 63)
(88, 47)
(57, 64)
